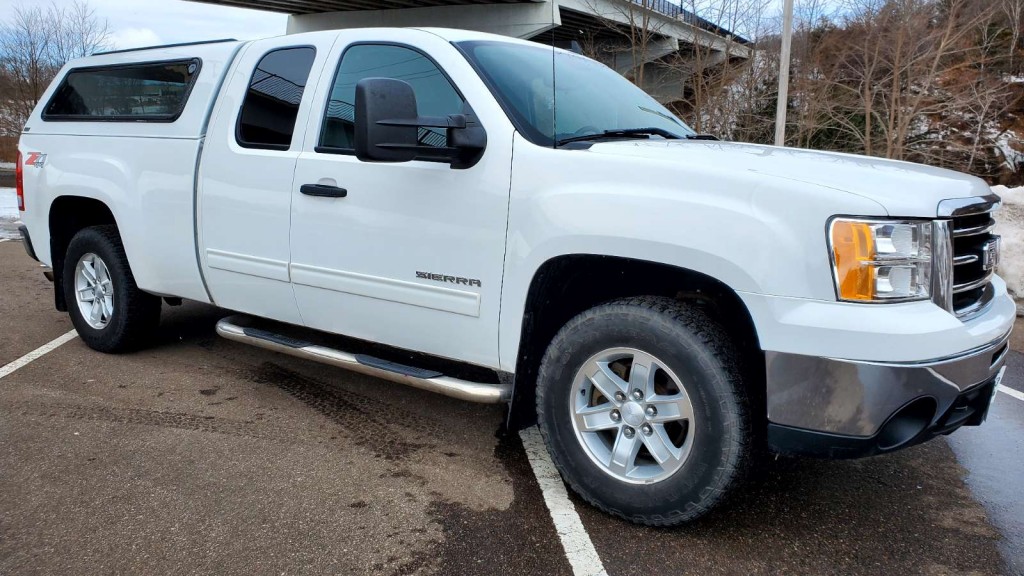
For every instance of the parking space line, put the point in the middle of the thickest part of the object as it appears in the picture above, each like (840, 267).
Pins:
(1011, 392)
(579, 549)
(6, 369)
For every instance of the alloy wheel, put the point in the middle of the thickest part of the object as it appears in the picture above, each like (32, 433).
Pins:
(94, 291)
(632, 415)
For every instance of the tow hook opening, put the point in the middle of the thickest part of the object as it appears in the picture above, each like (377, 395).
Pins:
(907, 423)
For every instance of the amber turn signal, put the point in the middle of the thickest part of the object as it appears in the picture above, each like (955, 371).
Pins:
(853, 250)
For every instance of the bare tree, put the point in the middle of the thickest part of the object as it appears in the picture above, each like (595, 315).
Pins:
(894, 64)
(984, 103)
(76, 31)
(809, 96)
(35, 42)
(1013, 11)
(25, 66)
(718, 62)
(627, 30)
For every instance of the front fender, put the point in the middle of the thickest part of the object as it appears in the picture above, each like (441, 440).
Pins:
(754, 233)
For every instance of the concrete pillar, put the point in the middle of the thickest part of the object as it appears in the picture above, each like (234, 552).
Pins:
(517, 20)
(667, 84)
(620, 56)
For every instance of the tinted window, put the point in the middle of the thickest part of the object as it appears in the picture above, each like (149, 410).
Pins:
(155, 91)
(435, 95)
(271, 104)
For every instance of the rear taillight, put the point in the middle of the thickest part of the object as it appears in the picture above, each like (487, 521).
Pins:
(19, 182)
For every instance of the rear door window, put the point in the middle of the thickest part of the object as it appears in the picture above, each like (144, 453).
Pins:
(267, 118)
(146, 91)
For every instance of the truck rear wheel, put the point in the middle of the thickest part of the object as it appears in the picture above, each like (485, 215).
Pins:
(641, 405)
(106, 307)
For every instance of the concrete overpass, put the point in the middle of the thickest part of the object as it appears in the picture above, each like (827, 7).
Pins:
(600, 28)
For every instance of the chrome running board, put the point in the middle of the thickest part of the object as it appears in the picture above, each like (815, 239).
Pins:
(233, 328)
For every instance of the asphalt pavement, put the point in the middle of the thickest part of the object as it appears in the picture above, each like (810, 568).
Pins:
(994, 457)
(200, 455)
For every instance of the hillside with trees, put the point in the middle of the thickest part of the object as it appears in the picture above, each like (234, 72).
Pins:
(939, 82)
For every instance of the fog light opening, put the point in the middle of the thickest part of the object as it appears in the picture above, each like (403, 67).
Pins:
(906, 424)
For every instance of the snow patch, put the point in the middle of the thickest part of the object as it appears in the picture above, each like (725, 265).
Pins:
(1010, 225)
(1012, 157)
(7, 166)
(8, 203)
(9, 213)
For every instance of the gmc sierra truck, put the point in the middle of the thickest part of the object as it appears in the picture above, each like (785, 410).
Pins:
(501, 222)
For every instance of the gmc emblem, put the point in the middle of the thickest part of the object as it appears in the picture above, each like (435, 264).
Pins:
(990, 253)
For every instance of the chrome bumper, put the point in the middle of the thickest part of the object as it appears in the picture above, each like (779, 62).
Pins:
(858, 399)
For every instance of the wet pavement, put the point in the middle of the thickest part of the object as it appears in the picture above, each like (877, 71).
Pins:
(201, 455)
(994, 457)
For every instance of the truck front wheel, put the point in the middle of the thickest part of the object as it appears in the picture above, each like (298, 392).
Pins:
(107, 308)
(641, 405)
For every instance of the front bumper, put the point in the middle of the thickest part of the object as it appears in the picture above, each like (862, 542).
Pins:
(846, 409)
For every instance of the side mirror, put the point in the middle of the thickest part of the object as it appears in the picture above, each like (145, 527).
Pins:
(387, 127)
(385, 99)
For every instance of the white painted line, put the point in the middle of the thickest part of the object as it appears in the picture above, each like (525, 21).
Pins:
(1011, 392)
(579, 550)
(6, 369)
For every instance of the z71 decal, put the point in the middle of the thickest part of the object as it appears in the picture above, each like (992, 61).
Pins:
(448, 279)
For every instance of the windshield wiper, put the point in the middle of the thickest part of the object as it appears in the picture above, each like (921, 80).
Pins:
(625, 133)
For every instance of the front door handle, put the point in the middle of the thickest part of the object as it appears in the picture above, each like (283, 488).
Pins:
(323, 191)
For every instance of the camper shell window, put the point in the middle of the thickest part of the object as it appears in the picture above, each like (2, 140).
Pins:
(137, 92)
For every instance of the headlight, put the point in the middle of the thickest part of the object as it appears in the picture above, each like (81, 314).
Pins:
(881, 260)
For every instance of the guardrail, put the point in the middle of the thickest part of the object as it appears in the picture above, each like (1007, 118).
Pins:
(676, 11)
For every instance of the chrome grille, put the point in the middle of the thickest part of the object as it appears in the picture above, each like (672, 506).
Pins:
(975, 249)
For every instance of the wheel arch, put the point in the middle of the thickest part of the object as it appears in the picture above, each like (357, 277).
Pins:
(566, 285)
(67, 216)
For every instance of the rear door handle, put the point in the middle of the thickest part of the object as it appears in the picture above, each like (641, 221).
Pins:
(323, 191)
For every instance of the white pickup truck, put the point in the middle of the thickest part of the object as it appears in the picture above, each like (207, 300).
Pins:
(498, 221)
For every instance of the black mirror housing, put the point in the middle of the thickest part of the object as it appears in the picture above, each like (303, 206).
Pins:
(387, 126)
(385, 99)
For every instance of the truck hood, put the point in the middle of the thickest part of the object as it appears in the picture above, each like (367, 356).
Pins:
(903, 189)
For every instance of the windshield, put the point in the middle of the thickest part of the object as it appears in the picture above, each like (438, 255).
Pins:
(570, 97)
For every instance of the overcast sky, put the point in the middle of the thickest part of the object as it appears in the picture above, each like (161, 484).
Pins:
(135, 23)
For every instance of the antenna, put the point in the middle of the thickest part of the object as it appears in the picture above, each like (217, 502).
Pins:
(554, 76)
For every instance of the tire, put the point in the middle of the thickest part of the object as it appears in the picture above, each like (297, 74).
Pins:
(706, 449)
(127, 317)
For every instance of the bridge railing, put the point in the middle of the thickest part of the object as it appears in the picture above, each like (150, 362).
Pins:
(675, 11)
